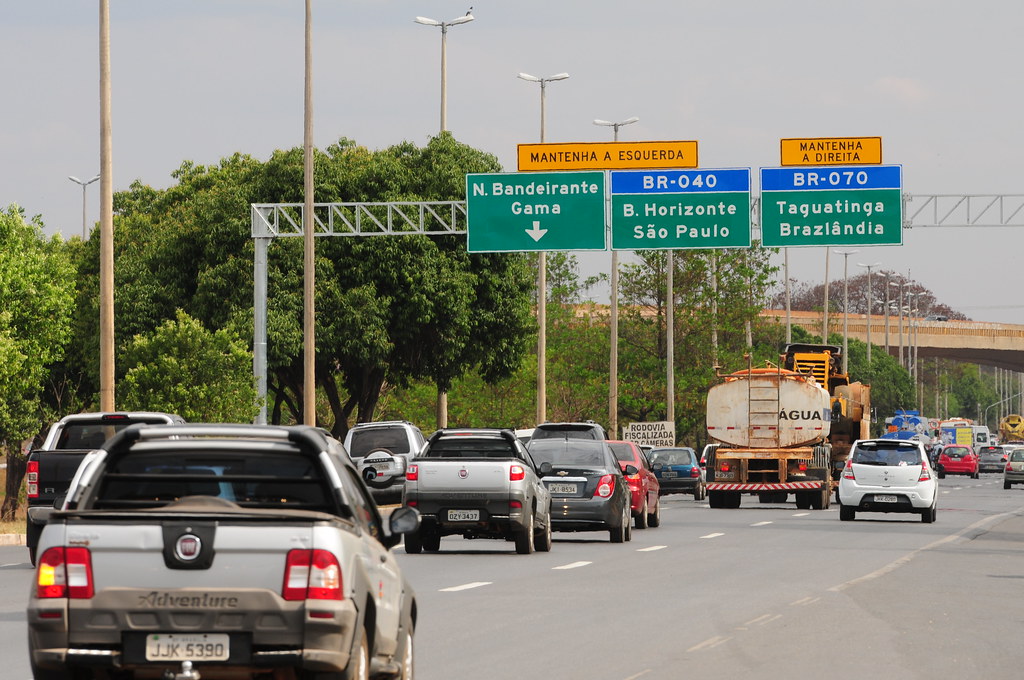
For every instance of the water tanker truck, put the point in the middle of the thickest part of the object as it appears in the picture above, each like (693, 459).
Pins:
(784, 429)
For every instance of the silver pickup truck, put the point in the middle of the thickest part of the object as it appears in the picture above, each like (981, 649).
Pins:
(480, 483)
(236, 551)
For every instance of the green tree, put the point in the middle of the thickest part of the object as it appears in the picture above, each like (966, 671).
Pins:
(390, 309)
(36, 295)
(183, 368)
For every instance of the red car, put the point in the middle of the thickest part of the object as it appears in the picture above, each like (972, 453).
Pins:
(644, 487)
(957, 459)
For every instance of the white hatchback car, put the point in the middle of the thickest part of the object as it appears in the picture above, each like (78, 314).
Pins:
(888, 475)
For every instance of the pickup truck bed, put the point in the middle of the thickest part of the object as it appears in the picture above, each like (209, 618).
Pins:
(243, 550)
(478, 483)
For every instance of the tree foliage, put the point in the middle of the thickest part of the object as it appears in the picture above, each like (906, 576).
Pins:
(389, 309)
(183, 368)
(36, 294)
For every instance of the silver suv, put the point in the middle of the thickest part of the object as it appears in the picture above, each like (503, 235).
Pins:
(382, 451)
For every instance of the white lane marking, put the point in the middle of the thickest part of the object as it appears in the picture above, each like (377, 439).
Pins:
(801, 514)
(652, 548)
(895, 564)
(709, 643)
(572, 565)
(713, 535)
(764, 618)
(760, 524)
(466, 586)
(804, 601)
(640, 674)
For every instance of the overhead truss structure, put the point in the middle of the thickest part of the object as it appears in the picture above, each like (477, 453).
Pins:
(437, 218)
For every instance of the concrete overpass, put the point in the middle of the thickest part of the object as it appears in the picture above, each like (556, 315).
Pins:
(977, 342)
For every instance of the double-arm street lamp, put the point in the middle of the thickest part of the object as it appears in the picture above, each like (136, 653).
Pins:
(443, 25)
(84, 184)
(613, 375)
(542, 279)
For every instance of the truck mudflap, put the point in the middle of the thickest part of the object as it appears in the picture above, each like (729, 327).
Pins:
(778, 486)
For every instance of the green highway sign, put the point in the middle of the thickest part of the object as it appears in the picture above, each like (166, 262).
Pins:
(677, 209)
(832, 206)
(535, 211)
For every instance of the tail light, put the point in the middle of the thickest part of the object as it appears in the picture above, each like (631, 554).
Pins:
(802, 466)
(605, 487)
(925, 473)
(516, 473)
(848, 471)
(695, 472)
(1009, 467)
(312, 575)
(413, 473)
(515, 505)
(65, 572)
(32, 479)
(724, 467)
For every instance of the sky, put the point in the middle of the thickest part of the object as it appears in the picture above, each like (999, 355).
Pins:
(199, 80)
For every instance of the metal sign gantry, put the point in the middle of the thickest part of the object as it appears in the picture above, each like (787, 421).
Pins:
(449, 218)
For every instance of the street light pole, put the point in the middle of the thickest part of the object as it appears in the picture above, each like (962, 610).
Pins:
(887, 312)
(846, 308)
(542, 281)
(871, 305)
(443, 25)
(84, 184)
(899, 284)
(613, 370)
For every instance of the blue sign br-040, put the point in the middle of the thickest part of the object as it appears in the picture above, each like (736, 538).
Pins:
(680, 181)
(830, 178)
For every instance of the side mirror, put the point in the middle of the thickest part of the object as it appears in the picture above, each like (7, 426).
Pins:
(401, 521)
(657, 466)
(544, 469)
(39, 515)
(630, 470)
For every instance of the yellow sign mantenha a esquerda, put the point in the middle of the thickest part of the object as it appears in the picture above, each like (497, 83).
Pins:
(832, 151)
(608, 156)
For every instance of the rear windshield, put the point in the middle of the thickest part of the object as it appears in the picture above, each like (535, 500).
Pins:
(1017, 456)
(263, 479)
(569, 453)
(566, 432)
(623, 452)
(392, 439)
(955, 451)
(85, 435)
(470, 447)
(672, 456)
(874, 453)
(989, 450)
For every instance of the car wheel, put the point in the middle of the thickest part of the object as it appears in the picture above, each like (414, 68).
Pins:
(1006, 485)
(654, 519)
(715, 499)
(700, 493)
(524, 537)
(432, 541)
(847, 513)
(628, 527)
(618, 534)
(413, 543)
(406, 658)
(358, 667)
(928, 515)
(803, 501)
(542, 537)
(942, 474)
(641, 519)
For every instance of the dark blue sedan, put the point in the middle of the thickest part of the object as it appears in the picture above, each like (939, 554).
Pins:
(679, 471)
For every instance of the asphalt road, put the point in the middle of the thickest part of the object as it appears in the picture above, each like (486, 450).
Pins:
(766, 591)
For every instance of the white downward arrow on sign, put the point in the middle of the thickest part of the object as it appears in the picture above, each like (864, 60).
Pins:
(536, 232)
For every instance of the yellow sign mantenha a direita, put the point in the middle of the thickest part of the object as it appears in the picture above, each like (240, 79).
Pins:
(832, 151)
(608, 156)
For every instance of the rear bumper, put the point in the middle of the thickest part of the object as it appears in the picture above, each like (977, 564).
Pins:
(753, 488)
(264, 630)
(496, 513)
(584, 514)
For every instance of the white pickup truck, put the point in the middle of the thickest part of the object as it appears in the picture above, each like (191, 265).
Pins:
(480, 483)
(238, 551)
